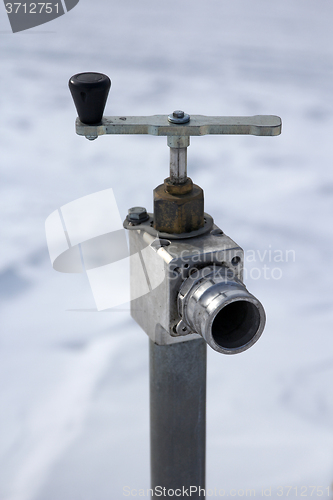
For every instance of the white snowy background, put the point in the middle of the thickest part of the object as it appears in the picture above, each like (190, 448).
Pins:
(74, 385)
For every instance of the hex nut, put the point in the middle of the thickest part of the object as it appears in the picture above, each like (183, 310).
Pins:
(137, 214)
(178, 113)
(184, 188)
(178, 213)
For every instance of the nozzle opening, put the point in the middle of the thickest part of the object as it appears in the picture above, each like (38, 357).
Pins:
(236, 324)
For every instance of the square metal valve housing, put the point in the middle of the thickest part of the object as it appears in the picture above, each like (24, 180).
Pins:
(158, 267)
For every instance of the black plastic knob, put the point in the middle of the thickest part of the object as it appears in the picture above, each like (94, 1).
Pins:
(90, 92)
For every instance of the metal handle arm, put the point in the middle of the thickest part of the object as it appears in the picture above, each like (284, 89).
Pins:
(263, 125)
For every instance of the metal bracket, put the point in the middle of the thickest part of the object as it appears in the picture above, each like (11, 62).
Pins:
(263, 125)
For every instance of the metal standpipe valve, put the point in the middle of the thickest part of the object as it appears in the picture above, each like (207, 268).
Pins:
(194, 272)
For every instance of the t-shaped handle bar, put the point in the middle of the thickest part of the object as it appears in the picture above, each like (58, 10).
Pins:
(197, 125)
(90, 91)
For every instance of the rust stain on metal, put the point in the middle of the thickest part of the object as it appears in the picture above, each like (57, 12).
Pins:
(178, 208)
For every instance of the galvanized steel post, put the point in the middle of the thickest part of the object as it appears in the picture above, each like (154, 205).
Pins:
(178, 417)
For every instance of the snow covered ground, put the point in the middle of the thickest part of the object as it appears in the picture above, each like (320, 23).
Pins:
(74, 385)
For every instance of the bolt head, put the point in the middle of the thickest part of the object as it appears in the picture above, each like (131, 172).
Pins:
(178, 116)
(178, 113)
(137, 214)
